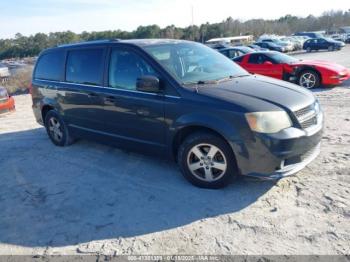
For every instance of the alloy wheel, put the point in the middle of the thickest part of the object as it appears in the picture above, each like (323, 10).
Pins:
(308, 80)
(206, 162)
(55, 129)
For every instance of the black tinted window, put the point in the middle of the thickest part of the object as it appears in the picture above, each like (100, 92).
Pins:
(259, 59)
(50, 66)
(234, 53)
(85, 66)
(125, 67)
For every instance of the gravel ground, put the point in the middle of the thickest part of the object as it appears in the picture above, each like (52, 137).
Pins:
(94, 199)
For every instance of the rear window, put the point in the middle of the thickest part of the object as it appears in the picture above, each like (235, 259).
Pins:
(85, 66)
(50, 66)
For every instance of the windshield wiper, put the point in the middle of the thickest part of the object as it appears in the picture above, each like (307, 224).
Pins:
(206, 82)
(212, 82)
(216, 81)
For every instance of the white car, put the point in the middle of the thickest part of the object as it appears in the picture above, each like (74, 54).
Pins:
(4, 73)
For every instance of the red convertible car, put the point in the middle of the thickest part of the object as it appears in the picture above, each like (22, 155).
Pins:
(7, 103)
(308, 74)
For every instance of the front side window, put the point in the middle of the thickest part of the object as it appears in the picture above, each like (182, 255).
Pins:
(190, 63)
(126, 67)
(85, 66)
(50, 66)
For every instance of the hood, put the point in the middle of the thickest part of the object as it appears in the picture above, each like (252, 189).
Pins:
(260, 93)
(335, 41)
(324, 64)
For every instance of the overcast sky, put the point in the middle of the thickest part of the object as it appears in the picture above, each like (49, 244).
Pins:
(32, 16)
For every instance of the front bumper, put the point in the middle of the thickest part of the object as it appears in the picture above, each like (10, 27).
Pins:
(337, 79)
(279, 155)
(291, 169)
(7, 105)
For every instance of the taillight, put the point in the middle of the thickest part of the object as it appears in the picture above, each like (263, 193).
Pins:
(30, 88)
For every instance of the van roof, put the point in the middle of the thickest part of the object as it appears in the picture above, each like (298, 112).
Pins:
(138, 42)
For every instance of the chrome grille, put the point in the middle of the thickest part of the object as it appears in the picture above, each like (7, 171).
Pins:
(303, 111)
(307, 116)
(310, 122)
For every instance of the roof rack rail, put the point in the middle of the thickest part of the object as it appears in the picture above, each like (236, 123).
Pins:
(90, 42)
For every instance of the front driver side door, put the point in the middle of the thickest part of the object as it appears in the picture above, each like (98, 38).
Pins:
(131, 115)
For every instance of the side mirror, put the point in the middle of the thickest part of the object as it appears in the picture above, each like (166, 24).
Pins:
(267, 63)
(148, 84)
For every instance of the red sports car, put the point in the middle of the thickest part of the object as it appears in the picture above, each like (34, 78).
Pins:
(308, 74)
(7, 103)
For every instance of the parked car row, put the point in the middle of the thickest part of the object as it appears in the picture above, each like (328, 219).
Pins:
(289, 43)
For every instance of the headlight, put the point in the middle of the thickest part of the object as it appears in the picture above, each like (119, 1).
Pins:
(317, 107)
(268, 122)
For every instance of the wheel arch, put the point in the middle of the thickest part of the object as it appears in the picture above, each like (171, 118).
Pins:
(46, 108)
(310, 68)
(48, 104)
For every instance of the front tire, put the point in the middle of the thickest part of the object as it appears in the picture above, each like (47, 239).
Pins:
(207, 161)
(309, 79)
(331, 48)
(57, 130)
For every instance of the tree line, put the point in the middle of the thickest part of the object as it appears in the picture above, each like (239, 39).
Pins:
(26, 46)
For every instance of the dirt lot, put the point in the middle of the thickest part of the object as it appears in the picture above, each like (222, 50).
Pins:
(90, 198)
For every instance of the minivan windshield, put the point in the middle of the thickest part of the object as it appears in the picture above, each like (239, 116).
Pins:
(192, 63)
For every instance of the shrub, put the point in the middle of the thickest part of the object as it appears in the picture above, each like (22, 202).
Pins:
(20, 81)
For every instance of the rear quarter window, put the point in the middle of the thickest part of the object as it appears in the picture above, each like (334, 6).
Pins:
(85, 66)
(50, 66)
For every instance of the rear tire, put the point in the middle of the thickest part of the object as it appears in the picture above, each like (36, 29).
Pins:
(57, 130)
(308, 50)
(207, 161)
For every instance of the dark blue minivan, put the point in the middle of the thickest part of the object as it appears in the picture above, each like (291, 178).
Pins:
(178, 99)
